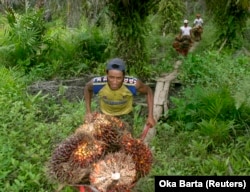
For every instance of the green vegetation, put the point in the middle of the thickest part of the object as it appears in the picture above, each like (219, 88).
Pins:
(230, 18)
(130, 29)
(205, 132)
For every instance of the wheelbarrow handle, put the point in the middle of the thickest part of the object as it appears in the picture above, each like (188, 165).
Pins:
(81, 188)
(85, 188)
(145, 131)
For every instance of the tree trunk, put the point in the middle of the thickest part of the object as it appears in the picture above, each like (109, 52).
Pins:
(74, 13)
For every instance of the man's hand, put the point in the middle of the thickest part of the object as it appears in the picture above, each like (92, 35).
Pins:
(151, 122)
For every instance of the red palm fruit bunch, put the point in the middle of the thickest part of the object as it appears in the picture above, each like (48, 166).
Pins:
(105, 128)
(114, 173)
(140, 153)
(71, 160)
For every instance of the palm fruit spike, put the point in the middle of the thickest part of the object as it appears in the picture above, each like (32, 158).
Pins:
(105, 128)
(140, 153)
(115, 173)
(71, 160)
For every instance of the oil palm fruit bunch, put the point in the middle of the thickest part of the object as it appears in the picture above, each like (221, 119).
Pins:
(140, 153)
(71, 160)
(185, 44)
(105, 128)
(199, 29)
(116, 172)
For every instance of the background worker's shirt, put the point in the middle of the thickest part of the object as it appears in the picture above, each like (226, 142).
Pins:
(198, 22)
(186, 30)
(115, 102)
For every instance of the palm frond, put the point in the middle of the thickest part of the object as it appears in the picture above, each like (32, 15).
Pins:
(217, 131)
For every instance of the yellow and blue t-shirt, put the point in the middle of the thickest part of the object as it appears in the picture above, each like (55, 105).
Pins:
(115, 102)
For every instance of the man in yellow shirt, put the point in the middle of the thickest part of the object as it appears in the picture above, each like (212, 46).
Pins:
(116, 91)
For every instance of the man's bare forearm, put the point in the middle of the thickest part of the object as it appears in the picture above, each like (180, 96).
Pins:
(88, 97)
(150, 102)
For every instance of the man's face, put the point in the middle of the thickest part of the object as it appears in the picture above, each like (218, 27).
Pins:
(115, 79)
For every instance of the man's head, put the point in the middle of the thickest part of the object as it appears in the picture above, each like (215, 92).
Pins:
(185, 22)
(116, 64)
(198, 15)
(115, 70)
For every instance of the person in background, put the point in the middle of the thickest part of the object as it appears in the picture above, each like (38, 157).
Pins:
(197, 27)
(185, 30)
(184, 40)
(115, 92)
(198, 21)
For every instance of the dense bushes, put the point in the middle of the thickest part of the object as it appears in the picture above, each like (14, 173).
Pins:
(35, 46)
(207, 130)
(28, 134)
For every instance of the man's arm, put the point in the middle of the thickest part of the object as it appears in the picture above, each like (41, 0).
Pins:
(180, 33)
(88, 92)
(144, 89)
(194, 23)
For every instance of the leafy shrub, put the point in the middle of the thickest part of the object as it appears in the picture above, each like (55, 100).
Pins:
(28, 134)
(24, 38)
(218, 131)
(199, 105)
(34, 46)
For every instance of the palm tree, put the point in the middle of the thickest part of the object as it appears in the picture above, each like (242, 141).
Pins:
(130, 28)
(230, 17)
